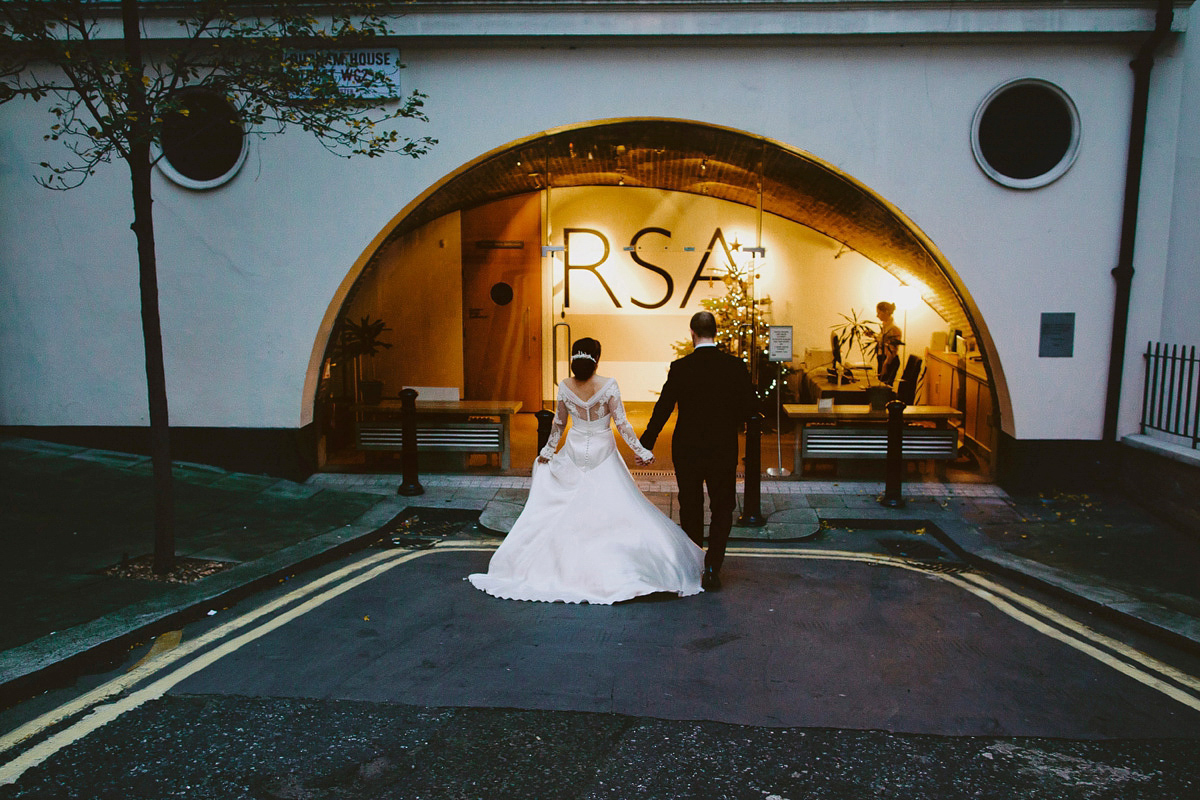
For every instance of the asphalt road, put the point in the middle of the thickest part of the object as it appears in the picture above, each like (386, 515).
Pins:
(838, 669)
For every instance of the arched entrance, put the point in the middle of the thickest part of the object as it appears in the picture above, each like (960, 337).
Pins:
(489, 229)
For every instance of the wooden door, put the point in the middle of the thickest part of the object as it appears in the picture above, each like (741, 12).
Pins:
(502, 301)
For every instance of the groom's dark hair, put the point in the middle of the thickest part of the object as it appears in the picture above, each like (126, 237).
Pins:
(704, 325)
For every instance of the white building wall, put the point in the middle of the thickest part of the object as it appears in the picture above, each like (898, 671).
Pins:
(247, 271)
(1181, 306)
(70, 321)
(1152, 283)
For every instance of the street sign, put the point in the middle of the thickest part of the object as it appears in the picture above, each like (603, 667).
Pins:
(369, 73)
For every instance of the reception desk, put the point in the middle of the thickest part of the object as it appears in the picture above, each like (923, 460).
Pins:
(816, 384)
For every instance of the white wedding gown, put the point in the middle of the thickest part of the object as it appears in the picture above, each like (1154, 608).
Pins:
(587, 533)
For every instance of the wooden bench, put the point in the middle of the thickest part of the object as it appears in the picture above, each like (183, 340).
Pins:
(474, 436)
(938, 445)
(447, 426)
(858, 432)
(836, 441)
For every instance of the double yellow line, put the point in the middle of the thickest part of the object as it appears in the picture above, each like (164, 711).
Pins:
(119, 695)
(118, 690)
(1113, 653)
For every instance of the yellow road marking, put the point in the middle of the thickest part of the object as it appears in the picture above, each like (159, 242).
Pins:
(133, 677)
(102, 715)
(163, 643)
(1083, 630)
(383, 562)
(989, 591)
(1104, 658)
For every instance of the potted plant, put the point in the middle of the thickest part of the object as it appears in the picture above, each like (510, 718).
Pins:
(860, 334)
(358, 339)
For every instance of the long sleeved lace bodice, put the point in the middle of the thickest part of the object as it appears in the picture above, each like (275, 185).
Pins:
(597, 413)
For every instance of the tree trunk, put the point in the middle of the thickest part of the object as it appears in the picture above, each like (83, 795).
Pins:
(140, 167)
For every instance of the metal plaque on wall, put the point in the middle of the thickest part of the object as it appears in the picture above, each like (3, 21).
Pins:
(1058, 336)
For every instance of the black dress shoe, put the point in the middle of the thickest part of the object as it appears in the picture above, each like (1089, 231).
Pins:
(710, 581)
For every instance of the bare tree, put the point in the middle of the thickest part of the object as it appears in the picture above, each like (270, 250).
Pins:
(111, 92)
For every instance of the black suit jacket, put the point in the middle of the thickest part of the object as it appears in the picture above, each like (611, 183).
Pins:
(713, 393)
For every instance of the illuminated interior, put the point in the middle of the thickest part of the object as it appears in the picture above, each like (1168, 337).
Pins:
(620, 231)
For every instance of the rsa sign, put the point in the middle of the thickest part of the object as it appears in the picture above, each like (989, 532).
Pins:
(668, 282)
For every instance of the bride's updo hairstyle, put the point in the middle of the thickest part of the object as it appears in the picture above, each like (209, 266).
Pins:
(585, 353)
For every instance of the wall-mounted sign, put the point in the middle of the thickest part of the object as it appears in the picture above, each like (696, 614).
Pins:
(1057, 336)
(370, 73)
(779, 346)
(590, 250)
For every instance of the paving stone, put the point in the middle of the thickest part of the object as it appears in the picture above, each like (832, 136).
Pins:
(37, 446)
(831, 500)
(795, 523)
(784, 502)
(290, 490)
(499, 515)
(110, 457)
(241, 482)
(475, 493)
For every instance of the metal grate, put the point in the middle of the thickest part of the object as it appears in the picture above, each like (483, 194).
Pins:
(419, 527)
(918, 443)
(663, 474)
(469, 437)
(926, 555)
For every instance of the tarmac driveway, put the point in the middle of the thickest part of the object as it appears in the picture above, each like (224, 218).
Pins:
(807, 637)
(815, 672)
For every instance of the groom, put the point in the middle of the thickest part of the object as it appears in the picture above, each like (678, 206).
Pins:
(713, 392)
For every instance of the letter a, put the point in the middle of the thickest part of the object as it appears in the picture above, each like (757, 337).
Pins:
(717, 237)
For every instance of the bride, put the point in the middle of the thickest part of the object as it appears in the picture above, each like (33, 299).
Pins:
(587, 534)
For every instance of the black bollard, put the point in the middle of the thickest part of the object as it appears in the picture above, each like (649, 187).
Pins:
(895, 456)
(545, 420)
(408, 449)
(751, 515)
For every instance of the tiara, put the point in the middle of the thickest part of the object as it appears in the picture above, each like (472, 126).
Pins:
(584, 355)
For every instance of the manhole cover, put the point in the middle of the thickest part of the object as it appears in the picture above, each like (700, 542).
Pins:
(418, 527)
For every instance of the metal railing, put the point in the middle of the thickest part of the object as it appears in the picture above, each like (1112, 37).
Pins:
(1170, 403)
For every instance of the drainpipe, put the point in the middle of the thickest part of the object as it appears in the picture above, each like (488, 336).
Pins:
(1123, 272)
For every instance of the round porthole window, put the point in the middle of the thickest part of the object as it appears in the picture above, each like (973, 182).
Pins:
(502, 294)
(206, 146)
(1026, 133)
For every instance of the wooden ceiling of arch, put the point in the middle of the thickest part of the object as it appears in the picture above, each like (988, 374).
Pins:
(683, 156)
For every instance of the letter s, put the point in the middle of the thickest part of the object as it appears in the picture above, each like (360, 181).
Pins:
(666, 275)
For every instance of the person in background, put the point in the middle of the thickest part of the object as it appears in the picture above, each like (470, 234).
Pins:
(887, 343)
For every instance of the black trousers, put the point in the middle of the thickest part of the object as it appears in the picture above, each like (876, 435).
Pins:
(720, 477)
